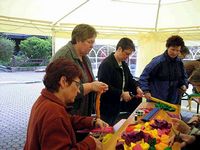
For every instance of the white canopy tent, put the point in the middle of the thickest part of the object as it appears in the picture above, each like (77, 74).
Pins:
(149, 22)
(109, 16)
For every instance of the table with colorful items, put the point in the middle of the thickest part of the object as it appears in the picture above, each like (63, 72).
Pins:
(153, 133)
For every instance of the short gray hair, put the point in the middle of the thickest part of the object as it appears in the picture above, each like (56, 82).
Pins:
(82, 32)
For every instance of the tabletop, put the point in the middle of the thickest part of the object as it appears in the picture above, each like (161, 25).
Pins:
(110, 145)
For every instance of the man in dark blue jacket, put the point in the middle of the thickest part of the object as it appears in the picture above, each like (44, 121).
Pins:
(115, 73)
(165, 74)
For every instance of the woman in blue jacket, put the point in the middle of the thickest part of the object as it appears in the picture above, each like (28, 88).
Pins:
(165, 74)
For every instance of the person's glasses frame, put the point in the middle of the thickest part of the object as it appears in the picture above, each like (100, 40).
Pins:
(78, 84)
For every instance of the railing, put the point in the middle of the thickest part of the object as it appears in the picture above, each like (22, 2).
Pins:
(29, 62)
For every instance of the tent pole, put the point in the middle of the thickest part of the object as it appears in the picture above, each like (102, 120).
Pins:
(157, 16)
(54, 24)
(70, 12)
(53, 41)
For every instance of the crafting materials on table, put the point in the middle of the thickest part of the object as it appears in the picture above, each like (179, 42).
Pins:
(161, 101)
(150, 114)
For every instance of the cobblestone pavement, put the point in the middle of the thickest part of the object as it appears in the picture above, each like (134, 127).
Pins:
(19, 90)
(20, 77)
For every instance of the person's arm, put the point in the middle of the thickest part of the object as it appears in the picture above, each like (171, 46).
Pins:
(98, 123)
(144, 81)
(94, 86)
(105, 74)
(186, 139)
(183, 83)
(149, 73)
(132, 83)
(81, 122)
(56, 136)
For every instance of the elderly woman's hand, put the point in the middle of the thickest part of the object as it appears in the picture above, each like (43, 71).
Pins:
(187, 139)
(100, 123)
(183, 88)
(98, 143)
(180, 126)
(195, 120)
(147, 95)
(99, 86)
(140, 93)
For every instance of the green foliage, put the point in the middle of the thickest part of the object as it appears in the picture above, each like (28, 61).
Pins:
(18, 60)
(36, 48)
(6, 50)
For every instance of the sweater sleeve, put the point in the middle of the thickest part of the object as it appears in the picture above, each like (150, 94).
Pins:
(105, 75)
(56, 136)
(132, 83)
(145, 77)
(80, 122)
(149, 71)
(184, 79)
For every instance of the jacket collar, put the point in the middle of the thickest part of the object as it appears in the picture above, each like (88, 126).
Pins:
(169, 58)
(115, 63)
(50, 96)
(73, 52)
(72, 49)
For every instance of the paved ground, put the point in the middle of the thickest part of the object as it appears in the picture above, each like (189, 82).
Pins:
(19, 90)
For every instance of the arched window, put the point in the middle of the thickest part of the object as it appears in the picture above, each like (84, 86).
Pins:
(100, 52)
(194, 53)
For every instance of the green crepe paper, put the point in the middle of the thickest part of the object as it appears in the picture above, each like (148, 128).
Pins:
(164, 107)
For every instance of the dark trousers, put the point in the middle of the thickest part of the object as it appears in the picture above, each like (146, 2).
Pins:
(109, 118)
(131, 105)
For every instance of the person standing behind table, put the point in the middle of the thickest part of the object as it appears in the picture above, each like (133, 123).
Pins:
(191, 66)
(114, 71)
(188, 135)
(184, 52)
(165, 74)
(50, 126)
(191, 140)
(195, 79)
(82, 40)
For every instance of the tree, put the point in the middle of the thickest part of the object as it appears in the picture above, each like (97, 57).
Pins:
(36, 48)
(6, 50)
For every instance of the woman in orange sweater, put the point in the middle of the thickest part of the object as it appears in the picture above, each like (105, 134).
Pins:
(50, 125)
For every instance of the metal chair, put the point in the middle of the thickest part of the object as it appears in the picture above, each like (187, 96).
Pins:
(192, 97)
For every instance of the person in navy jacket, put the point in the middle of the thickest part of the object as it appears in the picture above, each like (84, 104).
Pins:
(165, 74)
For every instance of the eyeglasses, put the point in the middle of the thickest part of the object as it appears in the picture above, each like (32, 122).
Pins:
(90, 41)
(127, 52)
(78, 84)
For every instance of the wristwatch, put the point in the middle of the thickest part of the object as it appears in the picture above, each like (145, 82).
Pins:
(94, 122)
(131, 94)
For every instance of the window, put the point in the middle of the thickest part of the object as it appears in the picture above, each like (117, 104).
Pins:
(101, 51)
